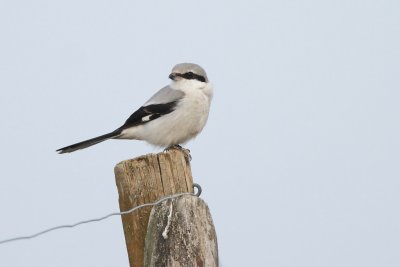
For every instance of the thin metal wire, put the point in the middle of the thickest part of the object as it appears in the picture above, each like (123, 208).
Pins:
(93, 220)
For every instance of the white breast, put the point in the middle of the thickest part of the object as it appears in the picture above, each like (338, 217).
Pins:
(181, 125)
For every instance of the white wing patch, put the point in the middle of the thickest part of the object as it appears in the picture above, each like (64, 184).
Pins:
(146, 118)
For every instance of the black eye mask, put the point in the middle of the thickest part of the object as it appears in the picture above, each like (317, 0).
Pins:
(192, 76)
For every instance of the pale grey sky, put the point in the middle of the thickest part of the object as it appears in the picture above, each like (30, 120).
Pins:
(300, 160)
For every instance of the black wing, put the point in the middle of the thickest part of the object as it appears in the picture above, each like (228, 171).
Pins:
(148, 113)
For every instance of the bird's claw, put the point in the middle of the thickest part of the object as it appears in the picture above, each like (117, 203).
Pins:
(178, 147)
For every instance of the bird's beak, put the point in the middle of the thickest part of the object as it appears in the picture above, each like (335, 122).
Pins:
(172, 76)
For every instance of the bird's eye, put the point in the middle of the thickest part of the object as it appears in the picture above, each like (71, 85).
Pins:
(192, 76)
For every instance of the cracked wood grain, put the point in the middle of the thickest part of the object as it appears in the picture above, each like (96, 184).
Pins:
(146, 179)
(191, 239)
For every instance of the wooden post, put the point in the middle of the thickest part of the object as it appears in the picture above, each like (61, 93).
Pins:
(146, 179)
(181, 233)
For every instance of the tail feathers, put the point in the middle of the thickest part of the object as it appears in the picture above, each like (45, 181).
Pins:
(88, 143)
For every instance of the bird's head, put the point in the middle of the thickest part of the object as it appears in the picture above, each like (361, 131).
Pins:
(188, 72)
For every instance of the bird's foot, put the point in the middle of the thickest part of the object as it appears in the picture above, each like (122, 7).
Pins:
(178, 147)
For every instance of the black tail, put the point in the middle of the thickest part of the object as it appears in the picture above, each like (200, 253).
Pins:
(88, 143)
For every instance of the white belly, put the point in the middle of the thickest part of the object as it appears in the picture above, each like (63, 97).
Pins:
(177, 127)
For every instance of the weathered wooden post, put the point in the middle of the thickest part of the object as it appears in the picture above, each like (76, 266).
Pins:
(181, 233)
(146, 179)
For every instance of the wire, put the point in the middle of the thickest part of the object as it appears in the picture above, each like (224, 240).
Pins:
(93, 220)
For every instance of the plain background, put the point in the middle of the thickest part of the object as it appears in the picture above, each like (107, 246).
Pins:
(299, 162)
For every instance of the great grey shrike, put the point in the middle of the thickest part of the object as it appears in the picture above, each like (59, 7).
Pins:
(174, 115)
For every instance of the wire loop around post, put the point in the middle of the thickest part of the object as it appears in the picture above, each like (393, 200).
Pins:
(198, 190)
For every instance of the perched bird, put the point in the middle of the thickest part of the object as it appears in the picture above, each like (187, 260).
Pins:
(174, 115)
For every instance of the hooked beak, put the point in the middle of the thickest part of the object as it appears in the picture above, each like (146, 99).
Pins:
(172, 76)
